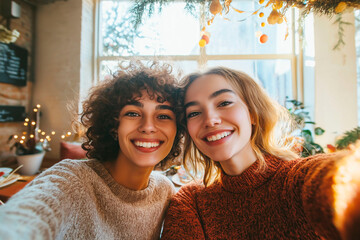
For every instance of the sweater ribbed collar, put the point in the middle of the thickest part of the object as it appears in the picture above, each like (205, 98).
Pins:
(122, 192)
(251, 178)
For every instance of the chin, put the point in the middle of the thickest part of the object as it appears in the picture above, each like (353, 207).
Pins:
(218, 157)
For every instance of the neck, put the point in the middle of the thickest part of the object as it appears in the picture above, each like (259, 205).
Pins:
(239, 162)
(129, 175)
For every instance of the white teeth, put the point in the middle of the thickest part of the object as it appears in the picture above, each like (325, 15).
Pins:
(146, 144)
(217, 136)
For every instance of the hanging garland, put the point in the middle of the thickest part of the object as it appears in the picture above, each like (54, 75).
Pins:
(222, 7)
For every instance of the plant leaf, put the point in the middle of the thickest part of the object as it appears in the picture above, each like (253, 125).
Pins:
(319, 131)
(307, 135)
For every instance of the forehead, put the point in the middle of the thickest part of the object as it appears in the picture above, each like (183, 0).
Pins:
(205, 85)
(149, 96)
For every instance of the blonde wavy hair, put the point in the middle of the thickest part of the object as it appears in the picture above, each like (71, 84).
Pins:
(270, 131)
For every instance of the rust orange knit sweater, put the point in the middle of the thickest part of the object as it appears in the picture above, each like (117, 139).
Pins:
(291, 200)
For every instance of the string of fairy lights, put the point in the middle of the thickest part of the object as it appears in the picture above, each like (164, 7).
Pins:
(34, 131)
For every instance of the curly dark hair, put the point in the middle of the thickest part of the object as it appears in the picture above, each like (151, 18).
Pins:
(105, 101)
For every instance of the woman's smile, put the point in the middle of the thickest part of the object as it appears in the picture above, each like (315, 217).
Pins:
(147, 145)
(217, 137)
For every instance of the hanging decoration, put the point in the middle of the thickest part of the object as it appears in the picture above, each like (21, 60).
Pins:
(8, 36)
(222, 7)
(205, 38)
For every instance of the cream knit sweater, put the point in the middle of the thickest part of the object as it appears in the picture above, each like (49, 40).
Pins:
(78, 199)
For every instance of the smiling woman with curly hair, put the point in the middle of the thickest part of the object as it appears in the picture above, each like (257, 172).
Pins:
(132, 125)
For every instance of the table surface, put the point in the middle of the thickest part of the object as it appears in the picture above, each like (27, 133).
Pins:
(8, 191)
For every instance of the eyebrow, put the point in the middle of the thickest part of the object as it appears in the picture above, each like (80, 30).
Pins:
(213, 95)
(158, 107)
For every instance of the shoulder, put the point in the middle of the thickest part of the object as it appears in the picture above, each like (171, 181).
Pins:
(189, 192)
(162, 183)
(315, 161)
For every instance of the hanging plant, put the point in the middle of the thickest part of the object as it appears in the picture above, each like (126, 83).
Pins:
(341, 24)
(277, 15)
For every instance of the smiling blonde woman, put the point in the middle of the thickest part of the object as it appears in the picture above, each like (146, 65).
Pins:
(254, 186)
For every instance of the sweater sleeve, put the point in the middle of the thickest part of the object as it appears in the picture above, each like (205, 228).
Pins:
(40, 209)
(182, 220)
(318, 184)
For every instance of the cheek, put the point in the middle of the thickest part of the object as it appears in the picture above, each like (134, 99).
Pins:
(192, 129)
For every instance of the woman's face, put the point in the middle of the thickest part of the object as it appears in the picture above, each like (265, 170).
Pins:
(218, 121)
(146, 131)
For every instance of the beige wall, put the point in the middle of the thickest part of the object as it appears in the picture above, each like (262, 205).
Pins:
(335, 78)
(63, 59)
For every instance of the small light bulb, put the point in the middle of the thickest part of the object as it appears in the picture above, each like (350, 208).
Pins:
(53, 133)
(39, 130)
(33, 123)
(38, 106)
(23, 137)
(68, 133)
(31, 135)
(41, 140)
(27, 119)
(16, 136)
(62, 136)
(25, 124)
(35, 109)
(43, 133)
(21, 141)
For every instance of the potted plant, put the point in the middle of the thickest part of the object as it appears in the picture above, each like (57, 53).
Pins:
(301, 117)
(31, 145)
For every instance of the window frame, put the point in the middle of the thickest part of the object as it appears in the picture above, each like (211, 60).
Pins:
(295, 57)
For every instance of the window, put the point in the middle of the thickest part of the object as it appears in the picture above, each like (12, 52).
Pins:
(173, 35)
(357, 46)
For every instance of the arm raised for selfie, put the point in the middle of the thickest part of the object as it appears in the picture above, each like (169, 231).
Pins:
(326, 186)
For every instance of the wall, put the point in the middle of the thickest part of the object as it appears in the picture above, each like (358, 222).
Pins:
(63, 57)
(13, 95)
(335, 78)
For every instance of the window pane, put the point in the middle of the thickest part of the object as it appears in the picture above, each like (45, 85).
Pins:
(161, 34)
(238, 34)
(357, 45)
(273, 75)
(180, 68)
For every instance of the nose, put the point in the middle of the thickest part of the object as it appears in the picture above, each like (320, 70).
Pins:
(147, 126)
(211, 118)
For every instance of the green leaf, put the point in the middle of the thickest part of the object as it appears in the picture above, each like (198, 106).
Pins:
(319, 131)
(307, 135)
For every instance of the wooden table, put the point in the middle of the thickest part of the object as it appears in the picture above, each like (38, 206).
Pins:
(10, 190)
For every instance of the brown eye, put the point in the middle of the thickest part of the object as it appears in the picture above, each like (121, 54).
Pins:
(224, 103)
(164, 116)
(192, 114)
(132, 114)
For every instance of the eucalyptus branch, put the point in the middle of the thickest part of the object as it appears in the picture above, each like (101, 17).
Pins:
(339, 20)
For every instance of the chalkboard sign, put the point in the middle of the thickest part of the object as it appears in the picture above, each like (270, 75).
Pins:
(12, 113)
(13, 64)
